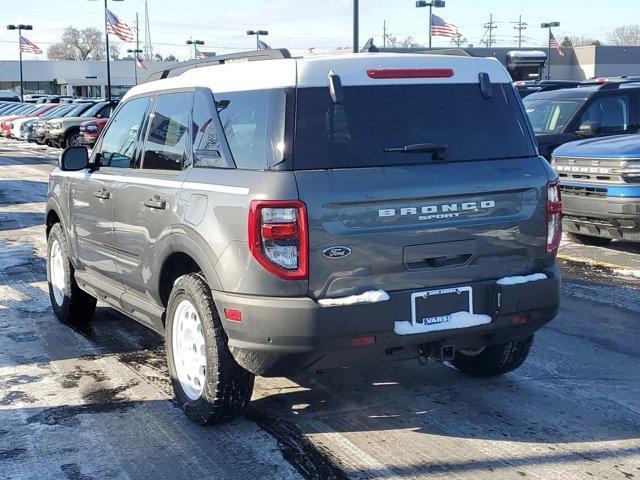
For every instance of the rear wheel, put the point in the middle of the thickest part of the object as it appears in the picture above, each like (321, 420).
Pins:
(494, 360)
(589, 240)
(70, 303)
(208, 383)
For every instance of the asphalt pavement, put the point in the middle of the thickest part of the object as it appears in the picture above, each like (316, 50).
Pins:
(97, 403)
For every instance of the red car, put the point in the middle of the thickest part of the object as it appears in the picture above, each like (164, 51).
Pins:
(5, 125)
(90, 131)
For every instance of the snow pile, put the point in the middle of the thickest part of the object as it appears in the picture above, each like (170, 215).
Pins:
(372, 296)
(536, 277)
(454, 320)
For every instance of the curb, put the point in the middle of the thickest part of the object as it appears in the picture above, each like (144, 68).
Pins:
(621, 269)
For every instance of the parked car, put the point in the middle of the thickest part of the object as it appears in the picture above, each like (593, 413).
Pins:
(606, 108)
(9, 96)
(527, 87)
(28, 110)
(600, 183)
(7, 125)
(23, 128)
(65, 131)
(91, 130)
(39, 129)
(406, 215)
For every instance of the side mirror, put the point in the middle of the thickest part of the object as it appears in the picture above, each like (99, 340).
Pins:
(73, 159)
(589, 129)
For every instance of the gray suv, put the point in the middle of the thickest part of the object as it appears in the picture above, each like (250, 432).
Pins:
(283, 215)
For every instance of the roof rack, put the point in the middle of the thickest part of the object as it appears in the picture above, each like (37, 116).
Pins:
(251, 56)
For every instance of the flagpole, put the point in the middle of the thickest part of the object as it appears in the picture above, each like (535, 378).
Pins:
(106, 34)
(430, 10)
(21, 80)
(549, 55)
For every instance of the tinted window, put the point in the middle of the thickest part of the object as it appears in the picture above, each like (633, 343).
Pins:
(610, 114)
(551, 116)
(119, 141)
(455, 117)
(207, 149)
(253, 123)
(167, 142)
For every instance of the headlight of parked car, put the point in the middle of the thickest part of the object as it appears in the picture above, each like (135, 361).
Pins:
(90, 128)
(631, 172)
(54, 125)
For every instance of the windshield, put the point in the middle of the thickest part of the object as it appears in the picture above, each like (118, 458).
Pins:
(94, 110)
(374, 123)
(551, 115)
(76, 110)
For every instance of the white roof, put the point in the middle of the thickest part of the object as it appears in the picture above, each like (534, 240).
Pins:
(313, 71)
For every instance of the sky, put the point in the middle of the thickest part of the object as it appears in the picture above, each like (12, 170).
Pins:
(304, 24)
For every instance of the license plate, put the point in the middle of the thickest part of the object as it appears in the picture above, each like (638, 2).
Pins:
(435, 309)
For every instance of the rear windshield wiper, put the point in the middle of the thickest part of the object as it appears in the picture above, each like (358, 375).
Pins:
(434, 148)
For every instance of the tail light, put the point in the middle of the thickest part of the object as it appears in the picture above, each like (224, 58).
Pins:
(279, 237)
(554, 216)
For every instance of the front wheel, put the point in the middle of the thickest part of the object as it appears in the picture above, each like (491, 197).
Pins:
(588, 239)
(494, 360)
(209, 385)
(72, 139)
(70, 303)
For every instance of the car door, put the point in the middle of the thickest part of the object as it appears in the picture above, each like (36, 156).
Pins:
(93, 193)
(610, 114)
(146, 201)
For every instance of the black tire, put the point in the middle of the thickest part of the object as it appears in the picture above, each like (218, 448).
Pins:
(494, 360)
(77, 306)
(227, 387)
(589, 240)
(72, 138)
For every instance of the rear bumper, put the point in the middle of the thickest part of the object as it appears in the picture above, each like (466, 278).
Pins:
(607, 217)
(282, 336)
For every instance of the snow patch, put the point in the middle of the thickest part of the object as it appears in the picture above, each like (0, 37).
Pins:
(371, 296)
(454, 320)
(536, 277)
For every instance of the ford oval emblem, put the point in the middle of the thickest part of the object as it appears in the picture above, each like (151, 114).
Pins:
(336, 252)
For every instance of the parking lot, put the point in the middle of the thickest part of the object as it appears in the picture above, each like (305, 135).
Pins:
(98, 403)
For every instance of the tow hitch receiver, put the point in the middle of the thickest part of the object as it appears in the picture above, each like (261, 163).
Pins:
(439, 352)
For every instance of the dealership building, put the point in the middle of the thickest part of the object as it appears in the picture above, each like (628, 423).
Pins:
(89, 78)
(75, 78)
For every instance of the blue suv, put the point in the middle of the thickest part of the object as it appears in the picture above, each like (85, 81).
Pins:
(600, 184)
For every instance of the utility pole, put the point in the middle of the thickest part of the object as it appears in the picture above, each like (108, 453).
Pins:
(520, 26)
(459, 41)
(356, 26)
(491, 26)
(148, 47)
(384, 34)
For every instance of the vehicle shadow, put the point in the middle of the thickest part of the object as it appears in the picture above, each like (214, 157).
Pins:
(19, 220)
(13, 192)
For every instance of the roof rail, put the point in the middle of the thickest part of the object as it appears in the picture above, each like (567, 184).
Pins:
(251, 56)
(610, 83)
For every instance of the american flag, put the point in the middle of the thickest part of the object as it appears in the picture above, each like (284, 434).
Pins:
(440, 28)
(140, 63)
(27, 46)
(553, 43)
(263, 46)
(118, 28)
(199, 54)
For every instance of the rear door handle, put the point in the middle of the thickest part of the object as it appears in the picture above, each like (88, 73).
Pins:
(156, 203)
(102, 194)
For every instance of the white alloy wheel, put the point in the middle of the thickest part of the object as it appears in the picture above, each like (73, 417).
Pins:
(188, 349)
(56, 267)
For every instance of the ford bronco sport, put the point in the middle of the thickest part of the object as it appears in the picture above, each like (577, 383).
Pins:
(278, 215)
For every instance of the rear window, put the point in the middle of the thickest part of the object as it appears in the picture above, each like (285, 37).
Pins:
(372, 118)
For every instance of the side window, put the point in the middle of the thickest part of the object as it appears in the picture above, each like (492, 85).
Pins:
(207, 148)
(118, 144)
(609, 114)
(254, 123)
(167, 144)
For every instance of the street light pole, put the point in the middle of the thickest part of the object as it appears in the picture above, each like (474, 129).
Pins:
(257, 33)
(431, 5)
(548, 26)
(195, 44)
(356, 26)
(19, 28)
(135, 52)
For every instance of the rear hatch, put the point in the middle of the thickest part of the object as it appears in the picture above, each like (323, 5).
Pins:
(469, 205)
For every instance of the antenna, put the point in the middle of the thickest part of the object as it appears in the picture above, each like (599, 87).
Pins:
(148, 47)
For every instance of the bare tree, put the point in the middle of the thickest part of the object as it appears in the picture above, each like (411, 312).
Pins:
(627, 35)
(578, 41)
(85, 44)
(170, 58)
(407, 42)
